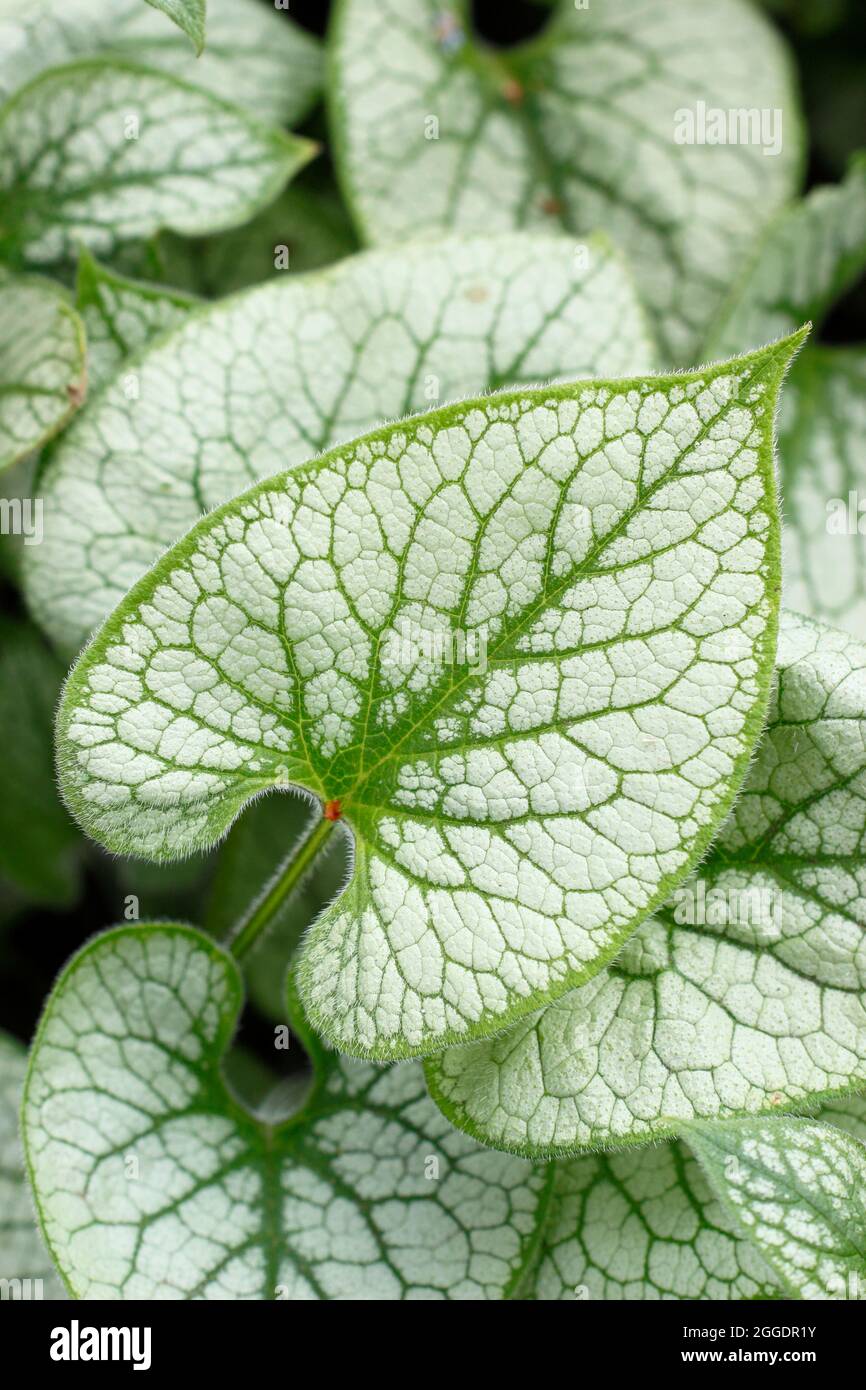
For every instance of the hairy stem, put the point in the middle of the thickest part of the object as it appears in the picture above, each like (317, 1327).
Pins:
(292, 870)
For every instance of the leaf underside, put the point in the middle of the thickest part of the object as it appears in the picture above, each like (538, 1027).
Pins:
(745, 994)
(291, 368)
(608, 552)
(152, 1182)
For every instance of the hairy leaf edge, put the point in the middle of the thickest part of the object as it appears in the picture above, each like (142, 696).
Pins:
(778, 358)
(520, 1281)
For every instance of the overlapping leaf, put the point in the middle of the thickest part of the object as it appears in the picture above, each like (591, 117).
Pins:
(254, 57)
(42, 365)
(121, 316)
(25, 1269)
(821, 433)
(104, 152)
(188, 15)
(152, 1182)
(266, 380)
(775, 1212)
(580, 126)
(644, 1225)
(809, 256)
(798, 1190)
(746, 993)
(305, 229)
(522, 643)
(362, 1193)
(849, 1113)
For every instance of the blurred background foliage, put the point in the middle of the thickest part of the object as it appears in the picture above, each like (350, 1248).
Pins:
(56, 889)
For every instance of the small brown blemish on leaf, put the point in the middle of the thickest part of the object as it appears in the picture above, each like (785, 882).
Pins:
(513, 91)
(776, 1098)
(333, 810)
(552, 206)
(478, 294)
(76, 391)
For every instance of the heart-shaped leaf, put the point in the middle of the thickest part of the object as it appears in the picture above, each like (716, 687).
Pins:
(188, 15)
(746, 993)
(25, 1269)
(521, 644)
(269, 378)
(104, 152)
(42, 365)
(797, 1189)
(254, 57)
(121, 316)
(151, 1181)
(673, 126)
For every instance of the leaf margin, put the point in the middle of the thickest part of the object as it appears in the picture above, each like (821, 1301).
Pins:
(322, 1060)
(293, 151)
(775, 359)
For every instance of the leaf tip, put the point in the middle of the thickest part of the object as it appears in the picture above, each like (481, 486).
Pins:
(795, 340)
